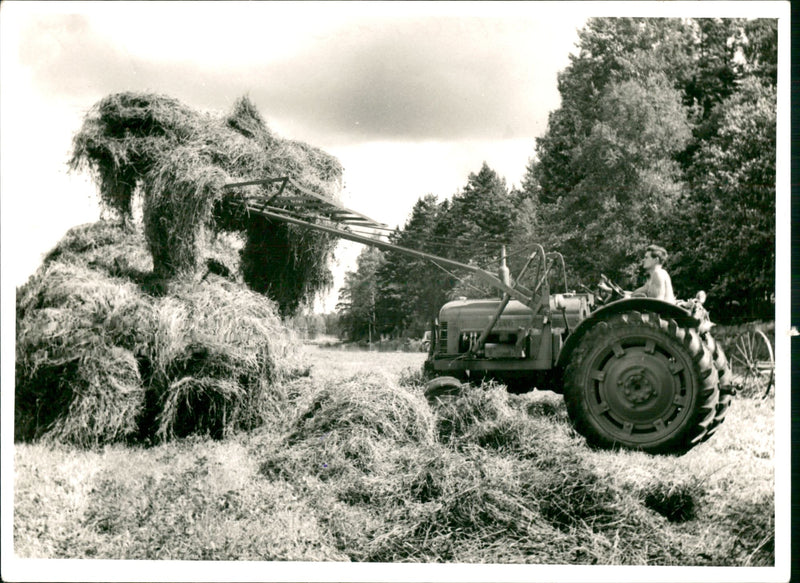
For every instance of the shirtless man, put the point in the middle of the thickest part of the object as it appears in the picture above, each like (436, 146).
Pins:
(659, 284)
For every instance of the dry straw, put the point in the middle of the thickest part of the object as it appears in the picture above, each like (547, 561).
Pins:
(121, 341)
(370, 402)
(77, 377)
(98, 359)
(217, 354)
(479, 480)
(180, 159)
(348, 427)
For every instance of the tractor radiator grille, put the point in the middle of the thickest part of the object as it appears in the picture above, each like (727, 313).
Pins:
(442, 344)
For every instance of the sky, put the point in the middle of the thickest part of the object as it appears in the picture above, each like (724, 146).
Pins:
(410, 97)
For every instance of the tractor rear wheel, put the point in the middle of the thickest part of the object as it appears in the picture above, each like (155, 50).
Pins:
(640, 382)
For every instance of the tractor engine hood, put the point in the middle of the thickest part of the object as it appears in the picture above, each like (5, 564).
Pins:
(566, 311)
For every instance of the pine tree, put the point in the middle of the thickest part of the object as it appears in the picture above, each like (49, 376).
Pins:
(357, 306)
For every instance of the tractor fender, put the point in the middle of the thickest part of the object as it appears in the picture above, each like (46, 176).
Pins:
(662, 308)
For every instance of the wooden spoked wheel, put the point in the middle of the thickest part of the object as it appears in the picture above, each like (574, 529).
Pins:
(753, 362)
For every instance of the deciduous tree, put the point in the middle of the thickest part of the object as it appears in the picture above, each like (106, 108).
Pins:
(728, 246)
(666, 133)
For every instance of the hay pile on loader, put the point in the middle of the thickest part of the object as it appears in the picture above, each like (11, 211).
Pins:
(180, 159)
(145, 332)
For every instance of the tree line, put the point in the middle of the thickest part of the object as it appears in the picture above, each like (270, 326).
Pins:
(666, 134)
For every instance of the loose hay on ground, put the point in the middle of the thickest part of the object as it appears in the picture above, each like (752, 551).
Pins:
(370, 401)
(481, 414)
(347, 427)
(481, 473)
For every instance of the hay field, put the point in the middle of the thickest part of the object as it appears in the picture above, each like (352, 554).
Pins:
(357, 467)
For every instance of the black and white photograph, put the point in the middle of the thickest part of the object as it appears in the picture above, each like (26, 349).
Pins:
(395, 291)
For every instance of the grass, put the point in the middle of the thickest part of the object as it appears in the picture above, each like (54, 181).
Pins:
(190, 500)
(359, 469)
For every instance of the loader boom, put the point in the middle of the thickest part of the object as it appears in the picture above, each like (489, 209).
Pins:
(483, 275)
(305, 205)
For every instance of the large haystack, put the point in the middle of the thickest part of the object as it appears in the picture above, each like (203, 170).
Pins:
(180, 159)
(99, 359)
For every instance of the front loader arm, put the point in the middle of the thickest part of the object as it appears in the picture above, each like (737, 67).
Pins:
(484, 276)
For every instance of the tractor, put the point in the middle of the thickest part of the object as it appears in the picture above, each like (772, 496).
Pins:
(636, 373)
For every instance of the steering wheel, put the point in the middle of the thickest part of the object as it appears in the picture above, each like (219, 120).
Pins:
(608, 285)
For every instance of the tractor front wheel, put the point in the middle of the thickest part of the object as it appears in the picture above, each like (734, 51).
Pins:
(442, 389)
(640, 382)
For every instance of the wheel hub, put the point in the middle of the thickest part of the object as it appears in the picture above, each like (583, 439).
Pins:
(637, 388)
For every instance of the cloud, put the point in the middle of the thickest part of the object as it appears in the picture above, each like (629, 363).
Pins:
(410, 104)
(433, 78)
(70, 59)
(429, 79)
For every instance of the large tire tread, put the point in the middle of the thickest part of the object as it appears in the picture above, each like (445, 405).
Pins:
(725, 381)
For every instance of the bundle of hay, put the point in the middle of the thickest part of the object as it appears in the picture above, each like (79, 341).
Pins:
(180, 159)
(111, 248)
(128, 333)
(216, 352)
(481, 414)
(77, 377)
(349, 427)
(369, 402)
(99, 359)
